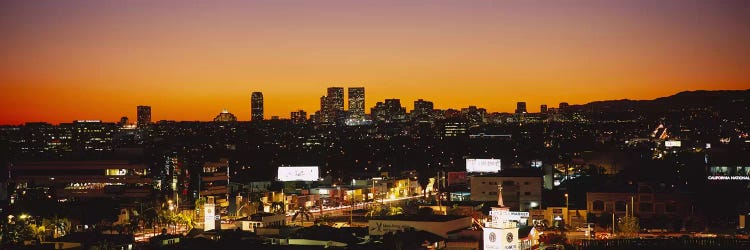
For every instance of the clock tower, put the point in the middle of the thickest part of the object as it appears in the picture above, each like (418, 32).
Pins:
(500, 232)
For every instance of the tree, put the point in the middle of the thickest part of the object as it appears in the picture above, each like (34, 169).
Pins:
(304, 213)
(628, 226)
(552, 238)
(374, 210)
(185, 219)
(199, 206)
(38, 231)
(247, 208)
(278, 207)
(424, 180)
(605, 220)
(591, 218)
(425, 211)
(395, 210)
(60, 226)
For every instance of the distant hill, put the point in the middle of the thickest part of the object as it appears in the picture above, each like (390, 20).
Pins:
(731, 101)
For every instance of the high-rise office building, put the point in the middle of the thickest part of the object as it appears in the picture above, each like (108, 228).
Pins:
(356, 104)
(256, 106)
(423, 107)
(521, 108)
(543, 109)
(423, 111)
(298, 117)
(474, 115)
(144, 115)
(563, 105)
(332, 106)
(335, 98)
(225, 116)
(123, 121)
(388, 111)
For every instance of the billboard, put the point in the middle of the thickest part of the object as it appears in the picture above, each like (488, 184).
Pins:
(304, 173)
(670, 144)
(455, 178)
(729, 173)
(482, 165)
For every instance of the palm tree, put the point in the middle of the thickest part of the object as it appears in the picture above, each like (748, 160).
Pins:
(395, 210)
(324, 220)
(304, 214)
(38, 231)
(150, 218)
(60, 226)
(278, 207)
(184, 219)
(199, 207)
(247, 208)
(374, 210)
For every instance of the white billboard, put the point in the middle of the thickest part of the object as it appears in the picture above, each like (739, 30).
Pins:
(482, 165)
(670, 144)
(305, 173)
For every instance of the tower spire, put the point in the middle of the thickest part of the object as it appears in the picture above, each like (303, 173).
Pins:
(500, 196)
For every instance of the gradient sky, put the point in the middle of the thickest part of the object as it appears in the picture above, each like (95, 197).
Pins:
(67, 60)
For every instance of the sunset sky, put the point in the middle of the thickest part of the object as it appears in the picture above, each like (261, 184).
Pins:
(67, 60)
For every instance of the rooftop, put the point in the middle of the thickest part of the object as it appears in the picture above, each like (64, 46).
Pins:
(432, 217)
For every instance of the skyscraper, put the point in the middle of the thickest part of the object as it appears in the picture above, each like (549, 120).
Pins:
(423, 111)
(298, 117)
(543, 109)
(521, 108)
(332, 106)
(388, 111)
(144, 115)
(225, 116)
(256, 106)
(356, 104)
(335, 98)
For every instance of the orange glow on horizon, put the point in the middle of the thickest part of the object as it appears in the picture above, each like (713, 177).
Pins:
(67, 61)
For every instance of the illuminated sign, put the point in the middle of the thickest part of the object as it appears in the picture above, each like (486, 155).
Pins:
(209, 215)
(536, 164)
(670, 144)
(381, 227)
(729, 173)
(306, 173)
(482, 165)
(456, 178)
(518, 215)
(110, 171)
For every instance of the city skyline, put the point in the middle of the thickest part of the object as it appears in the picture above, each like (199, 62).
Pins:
(190, 61)
(408, 105)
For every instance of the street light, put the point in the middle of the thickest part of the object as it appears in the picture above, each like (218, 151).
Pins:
(567, 212)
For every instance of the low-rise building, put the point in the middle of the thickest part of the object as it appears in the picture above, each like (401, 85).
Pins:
(647, 203)
(522, 188)
(440, 225)
(71, 179)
